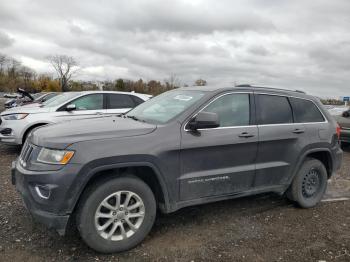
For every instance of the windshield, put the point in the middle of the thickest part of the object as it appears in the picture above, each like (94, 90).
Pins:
(59, 99)
(37, 95)
(165, 107)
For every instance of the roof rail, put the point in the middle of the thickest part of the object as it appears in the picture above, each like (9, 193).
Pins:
(243, 85)
(281, 89)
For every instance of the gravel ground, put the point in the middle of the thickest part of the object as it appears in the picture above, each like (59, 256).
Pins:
(260, 228)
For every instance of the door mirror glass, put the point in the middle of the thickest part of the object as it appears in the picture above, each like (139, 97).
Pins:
(71, 107)
(346, 113)
(204, 120)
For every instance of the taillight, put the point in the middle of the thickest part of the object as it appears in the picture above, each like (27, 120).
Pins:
(338, 131)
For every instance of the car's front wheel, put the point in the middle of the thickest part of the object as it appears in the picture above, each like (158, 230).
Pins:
(309, 184)
(116, 215)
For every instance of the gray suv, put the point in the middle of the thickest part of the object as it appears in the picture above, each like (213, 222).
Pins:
(184, 147)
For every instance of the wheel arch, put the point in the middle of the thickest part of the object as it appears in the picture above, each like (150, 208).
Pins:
(145, 171)
(30, 128)
(322, 154)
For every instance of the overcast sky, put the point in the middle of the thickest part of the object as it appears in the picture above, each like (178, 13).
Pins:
(289, 44)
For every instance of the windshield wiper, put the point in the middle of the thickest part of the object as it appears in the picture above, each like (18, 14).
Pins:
(134, 118)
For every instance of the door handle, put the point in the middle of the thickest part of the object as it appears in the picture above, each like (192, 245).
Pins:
(245, 135)
(298, 131)
(99, 113)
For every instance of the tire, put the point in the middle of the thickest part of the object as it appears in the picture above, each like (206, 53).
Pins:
(309, 184)
(344, 145)
(107, 192)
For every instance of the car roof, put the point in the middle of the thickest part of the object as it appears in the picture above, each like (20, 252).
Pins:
(110, 92)
(244, 88)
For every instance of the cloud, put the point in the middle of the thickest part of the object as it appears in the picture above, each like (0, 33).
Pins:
(5, 40)
(288, 44)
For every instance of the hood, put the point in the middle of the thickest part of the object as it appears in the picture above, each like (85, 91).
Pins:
(65, 133)
(32, 104)
(25, 109)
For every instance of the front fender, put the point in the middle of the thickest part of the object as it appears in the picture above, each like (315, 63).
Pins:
(89, 171)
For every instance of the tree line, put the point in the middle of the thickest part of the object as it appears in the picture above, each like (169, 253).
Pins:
(14, 75)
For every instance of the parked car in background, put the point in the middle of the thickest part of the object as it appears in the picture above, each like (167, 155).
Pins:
(11, 95)
(22, 96)
(27, 98)
(343, 120)
(337, 110)
(40, 98)
(17, 122)
(184, 147)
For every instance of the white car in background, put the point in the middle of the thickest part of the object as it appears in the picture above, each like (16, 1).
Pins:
(16, 123)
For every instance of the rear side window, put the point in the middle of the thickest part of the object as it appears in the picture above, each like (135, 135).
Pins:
(119, 101)
(305, 111)
(274, 110)
(232, 109)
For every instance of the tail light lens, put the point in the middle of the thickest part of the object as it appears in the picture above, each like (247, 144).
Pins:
(338, 131)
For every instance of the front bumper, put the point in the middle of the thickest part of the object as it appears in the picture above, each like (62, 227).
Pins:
(53, 211)
(17, 128)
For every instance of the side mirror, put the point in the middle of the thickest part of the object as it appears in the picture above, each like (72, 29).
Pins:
(346, 114)
(204, 120)
(71, 107)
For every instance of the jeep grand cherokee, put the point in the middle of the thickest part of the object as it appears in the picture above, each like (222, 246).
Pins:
(185, 147)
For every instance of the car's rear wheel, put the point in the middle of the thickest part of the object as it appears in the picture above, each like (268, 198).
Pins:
(309, 184)
(116, 215)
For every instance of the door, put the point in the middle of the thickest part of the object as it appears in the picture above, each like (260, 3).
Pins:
(221, 160)
(119, 103)
(280, 140)
(87, 106)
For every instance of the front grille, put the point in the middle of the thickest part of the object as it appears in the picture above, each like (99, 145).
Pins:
(25, 154)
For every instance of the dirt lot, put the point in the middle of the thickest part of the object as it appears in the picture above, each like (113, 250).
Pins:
(261, 228)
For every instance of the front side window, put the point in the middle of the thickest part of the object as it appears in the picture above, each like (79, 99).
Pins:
(273, 109)
(305, 111)
(166, 106)
(232, 109)
(89, 102)
(119, 101)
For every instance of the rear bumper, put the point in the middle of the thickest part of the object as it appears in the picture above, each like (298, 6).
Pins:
(338, 158)
(345, 135)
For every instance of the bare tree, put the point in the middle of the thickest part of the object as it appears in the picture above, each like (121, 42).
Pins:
(27, 75)
(200, 82)
(13, 67)
(66, 67)
(173, 81)
(3, 61)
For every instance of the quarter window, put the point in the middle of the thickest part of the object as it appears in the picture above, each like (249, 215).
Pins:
(274, 110)
(305, 111)
(116, 101)
(137, 100)
(232, 109)
(89, 102)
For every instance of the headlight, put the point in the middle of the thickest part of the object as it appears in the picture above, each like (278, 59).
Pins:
(56, 157)
(14, 116)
